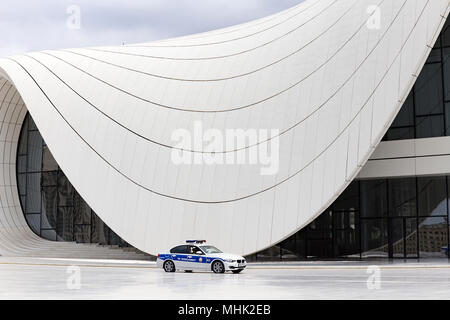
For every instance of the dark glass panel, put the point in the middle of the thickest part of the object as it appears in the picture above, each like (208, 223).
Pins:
(432, 196)
(396, 237)
(115, 240)
(22, 148)
(399, 134)
(403, 125)
(31, 124)
(180, 249)
(411, 238)
(22, 164)
(404, 237)
(428, 90)
(22, 183)
(34, 221)
(34, 158)
(45, 223)
(322, 227)
(346, 243)
(271, 254)
(374, 235)
(349, 200)
(446, 67)
(49, 234)
(405, 116)
(82, 234)
(438, 43)
(49, 179)
(447, 118)
(345, 220)
(346, 234)
(252, 258)
(320, 236)
(65, 191)
(48, 162)
(294, 248)
(33, 193)
(65, 223)
(82, 211)
(433, 237)
(373, 198)
(402, 197)
(430, 126)
(100, 232)
(445, 34)
(435, 56)
(49, 207)
(320, 248)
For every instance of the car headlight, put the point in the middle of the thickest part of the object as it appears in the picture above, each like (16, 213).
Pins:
(230, 261)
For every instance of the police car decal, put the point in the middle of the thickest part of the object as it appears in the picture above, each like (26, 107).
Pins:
(179, 257)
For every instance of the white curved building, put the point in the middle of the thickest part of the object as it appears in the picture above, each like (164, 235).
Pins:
(327, 78)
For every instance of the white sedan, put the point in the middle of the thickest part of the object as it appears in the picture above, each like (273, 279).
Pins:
(195, 255)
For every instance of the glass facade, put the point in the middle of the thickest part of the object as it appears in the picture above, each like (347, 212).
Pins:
(391, 218)
(52, 207)
(426, 112)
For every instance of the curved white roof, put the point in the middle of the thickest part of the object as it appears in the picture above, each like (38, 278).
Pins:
(324, 73)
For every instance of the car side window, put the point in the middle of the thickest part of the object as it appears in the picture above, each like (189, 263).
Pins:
(194, 250)
(180, 249)
(191, 250)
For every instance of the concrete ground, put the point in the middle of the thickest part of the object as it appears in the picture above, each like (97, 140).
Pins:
(26, 278)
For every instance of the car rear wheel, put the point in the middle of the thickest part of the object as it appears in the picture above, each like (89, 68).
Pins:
(169, 266)
(237, 271)
(218, 267)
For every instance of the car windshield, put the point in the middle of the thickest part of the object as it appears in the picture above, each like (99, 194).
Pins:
(210, 249)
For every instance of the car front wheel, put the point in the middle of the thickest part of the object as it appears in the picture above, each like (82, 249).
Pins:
(169, 266)
(218, 267)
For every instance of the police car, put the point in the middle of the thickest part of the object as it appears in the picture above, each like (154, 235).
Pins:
(196, 255)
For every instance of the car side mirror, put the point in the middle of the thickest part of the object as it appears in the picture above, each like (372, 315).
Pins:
(199, 253)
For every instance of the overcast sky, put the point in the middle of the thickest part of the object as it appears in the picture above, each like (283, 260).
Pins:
(42, 24)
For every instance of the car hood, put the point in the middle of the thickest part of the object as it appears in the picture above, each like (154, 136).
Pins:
(227, 256)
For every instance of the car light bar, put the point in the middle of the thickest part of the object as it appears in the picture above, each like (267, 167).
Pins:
(196, 241)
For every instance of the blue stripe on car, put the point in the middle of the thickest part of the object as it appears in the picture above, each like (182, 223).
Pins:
(184, 257)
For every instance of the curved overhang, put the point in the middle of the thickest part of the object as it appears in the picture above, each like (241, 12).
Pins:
(329, 75)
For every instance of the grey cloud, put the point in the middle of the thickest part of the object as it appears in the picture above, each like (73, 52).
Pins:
(40, 25)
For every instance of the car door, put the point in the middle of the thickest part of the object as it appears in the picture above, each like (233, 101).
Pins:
(180, 256)
(195, 261)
